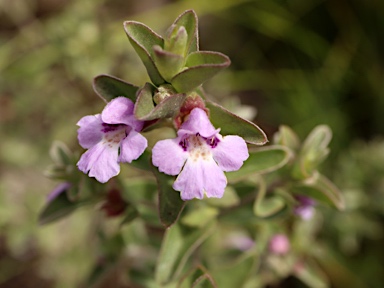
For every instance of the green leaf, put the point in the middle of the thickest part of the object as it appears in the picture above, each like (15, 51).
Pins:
(266, 207)
(170, 203)
(189, 20)
(58, 208)
(61, 154)
(143, 39)
(262, 160)
(146, 110)
(314, 151)
(109, 87)
(287, 137)
(310, 274)
(232, 124)
(322, 189)
(200, 66)
(200, 216)
(130, 214)
(169, 64)
(169, 253)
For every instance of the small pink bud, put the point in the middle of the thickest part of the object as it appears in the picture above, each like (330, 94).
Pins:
(279, 244)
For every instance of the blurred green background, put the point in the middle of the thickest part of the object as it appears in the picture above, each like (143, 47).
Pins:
(299, 63)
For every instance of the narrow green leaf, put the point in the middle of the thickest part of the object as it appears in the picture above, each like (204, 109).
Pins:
(262, 160)
(170, 203)
(200, 66)
(170, 251)
(189, 20)
(58, 208)
(146, 110)
(322, 189)
(109, 87)
(143, 39)
(232, 124)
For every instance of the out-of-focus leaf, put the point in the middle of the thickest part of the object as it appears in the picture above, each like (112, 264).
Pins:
(169, 64)
(198, 277)
(287, 137)
(235, 275)
(170, 251)
(200, 66)
(58, 208)
(143, 162)
(232, 124)
(188, 20)
(61, 154)
(146, 110)
(311, 275)
(262, 160)
(200, 216)
(143, 39)
(109, 87)
(265, 207)
(129, 215)
(230, 198)
(322, 189)
(314, 150)
(170, 203)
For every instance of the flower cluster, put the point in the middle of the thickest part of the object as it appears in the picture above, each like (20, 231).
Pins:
(199, 155)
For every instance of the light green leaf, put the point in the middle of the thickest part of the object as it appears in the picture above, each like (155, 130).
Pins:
(311, 275)
(143, 39)
(189, 21)
(200, 216)
(232, 124)
(314, 150)
(109, 87)
(200, 66)
(170, 251)
(262, 160)
(287, 137)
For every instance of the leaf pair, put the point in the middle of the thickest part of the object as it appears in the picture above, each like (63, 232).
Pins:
(176, 58)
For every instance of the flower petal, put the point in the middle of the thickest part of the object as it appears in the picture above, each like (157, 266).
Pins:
(90, 131)
(132, 146)
(198, 122)
(101, 162)
(230, 153)
(120, 111)
(198, 177)
(214, 179)
(190, 181)
(169, 156)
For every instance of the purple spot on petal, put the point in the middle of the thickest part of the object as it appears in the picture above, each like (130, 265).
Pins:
(110, 127)
(213, 142)
(184, 144)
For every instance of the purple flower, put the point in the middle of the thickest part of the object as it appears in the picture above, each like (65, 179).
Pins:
(110, 137)
(199, 155)
(305, 207)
